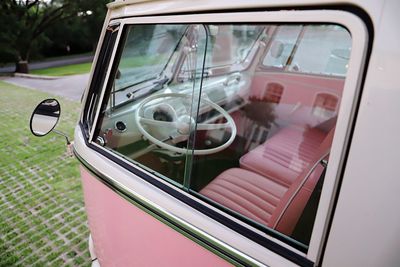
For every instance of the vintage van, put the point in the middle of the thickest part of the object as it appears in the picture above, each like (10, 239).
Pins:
(248, 133)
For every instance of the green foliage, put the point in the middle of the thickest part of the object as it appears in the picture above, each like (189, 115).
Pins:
(77, 34)
(33, 27)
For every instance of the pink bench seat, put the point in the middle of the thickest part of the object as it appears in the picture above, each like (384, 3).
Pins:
(285, 155)
(246, 192)
(276, 179)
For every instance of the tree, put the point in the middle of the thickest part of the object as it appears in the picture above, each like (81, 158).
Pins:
(24, 22)
(78, 34)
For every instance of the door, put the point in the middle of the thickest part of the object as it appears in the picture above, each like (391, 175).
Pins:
(217, 139)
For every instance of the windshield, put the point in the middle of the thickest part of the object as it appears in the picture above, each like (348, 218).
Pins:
(227, 47)
(146, 52)
(154, 55)
(230, 44)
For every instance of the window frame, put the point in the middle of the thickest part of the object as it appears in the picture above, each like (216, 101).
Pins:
(350, 97)
(98, 76)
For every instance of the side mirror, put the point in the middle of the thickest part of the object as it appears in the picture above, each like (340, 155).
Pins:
(45, 117)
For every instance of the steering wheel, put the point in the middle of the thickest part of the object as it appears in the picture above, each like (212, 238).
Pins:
(183, 124)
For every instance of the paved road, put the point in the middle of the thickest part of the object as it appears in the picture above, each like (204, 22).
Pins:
(70, 87)
(52, 63)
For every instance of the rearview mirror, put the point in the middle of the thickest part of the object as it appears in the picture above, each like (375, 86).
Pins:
(45, 117)
(276, 49)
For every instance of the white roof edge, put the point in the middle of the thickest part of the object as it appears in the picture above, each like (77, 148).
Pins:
(145, 7)
(118, 3)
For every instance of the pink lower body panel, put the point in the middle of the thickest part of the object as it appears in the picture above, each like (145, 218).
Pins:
(125, 235)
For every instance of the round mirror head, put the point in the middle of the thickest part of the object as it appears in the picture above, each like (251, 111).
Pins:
(45, 117)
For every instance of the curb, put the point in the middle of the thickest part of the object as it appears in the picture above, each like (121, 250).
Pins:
(33, 76)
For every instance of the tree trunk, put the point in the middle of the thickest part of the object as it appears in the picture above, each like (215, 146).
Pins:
(22, 66)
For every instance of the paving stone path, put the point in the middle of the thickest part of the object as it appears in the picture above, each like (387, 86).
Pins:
(42, 217)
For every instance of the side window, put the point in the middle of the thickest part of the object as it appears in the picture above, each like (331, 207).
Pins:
(241, 116)
(148, 118)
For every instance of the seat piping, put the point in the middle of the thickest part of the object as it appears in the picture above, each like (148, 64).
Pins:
(300, 186)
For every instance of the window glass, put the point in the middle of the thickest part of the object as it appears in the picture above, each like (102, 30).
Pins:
(146, 53)
(149, 119)
(319, 49)
(283, 45)
(227, 48)
(283, 120)
(200, 106)
(230, 44)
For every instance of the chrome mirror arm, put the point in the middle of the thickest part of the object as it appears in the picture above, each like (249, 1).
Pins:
(62, 134)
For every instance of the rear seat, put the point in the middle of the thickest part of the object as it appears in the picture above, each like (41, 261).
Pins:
(276, 179)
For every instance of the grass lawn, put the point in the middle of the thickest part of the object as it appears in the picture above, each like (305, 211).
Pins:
(64, 70)
(42, 218)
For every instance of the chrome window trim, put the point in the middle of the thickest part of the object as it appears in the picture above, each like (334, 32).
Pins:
(351, 91)
(84, 96)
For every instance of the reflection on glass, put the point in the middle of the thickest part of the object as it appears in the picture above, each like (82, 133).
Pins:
(45, 117)
(147, 51)
(282, 47)
(156, 110)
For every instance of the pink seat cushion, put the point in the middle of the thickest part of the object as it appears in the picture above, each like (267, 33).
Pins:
(281, 180)
(285, 155)
(246, 192)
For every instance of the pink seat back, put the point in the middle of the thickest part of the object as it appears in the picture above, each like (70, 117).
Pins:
(293, 202)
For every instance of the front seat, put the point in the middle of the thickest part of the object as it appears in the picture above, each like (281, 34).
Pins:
(270, 200)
